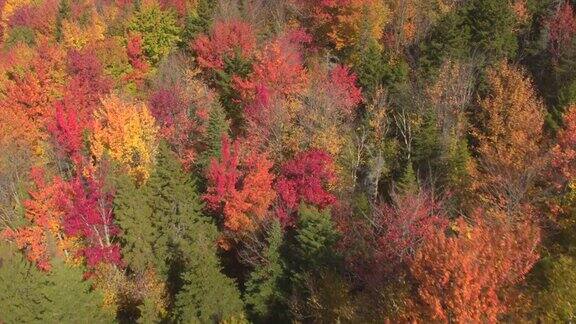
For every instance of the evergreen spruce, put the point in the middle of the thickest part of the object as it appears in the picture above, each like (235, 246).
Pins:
(20, 298)
(207, 294)
(218, 126)
(68, 298)
(262, 288)
(142, 243)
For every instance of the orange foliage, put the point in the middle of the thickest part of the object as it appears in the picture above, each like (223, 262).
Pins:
(29, 97)
(45, 213)
(340, 21)
(244, 195)
(463, 277)
(509, 136)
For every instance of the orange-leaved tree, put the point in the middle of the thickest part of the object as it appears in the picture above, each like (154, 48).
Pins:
(239, 189)
(45, 235)
(464, 277)
(509, 137)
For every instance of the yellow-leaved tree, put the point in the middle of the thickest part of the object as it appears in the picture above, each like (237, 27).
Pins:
(126, 132)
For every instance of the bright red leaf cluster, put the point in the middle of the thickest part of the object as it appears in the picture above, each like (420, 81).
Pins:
(227, 39)
(304, 179)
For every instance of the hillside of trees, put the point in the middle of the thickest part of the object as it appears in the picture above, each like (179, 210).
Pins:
(287, 161)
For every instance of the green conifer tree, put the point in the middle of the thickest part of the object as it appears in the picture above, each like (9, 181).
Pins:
(20, 298)
(408, 182)
(142, 242)
(262, 288)
(68, 298)
(199, 20)
(492, 28)
(207, 294)
(218, 126)
(315, 238)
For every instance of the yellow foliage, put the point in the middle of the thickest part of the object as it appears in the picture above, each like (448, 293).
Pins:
(127, 133)
(77, 36)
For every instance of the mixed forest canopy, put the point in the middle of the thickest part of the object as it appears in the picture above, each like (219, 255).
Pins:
(287, 161)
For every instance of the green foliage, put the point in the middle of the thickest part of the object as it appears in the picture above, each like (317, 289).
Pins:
(142, 243)
(59, 296)
(558, 299)
(177, 206)
(370, 67)
(20, 34)
(233, 66)
(218, 126)
(315, 238)
(492, 28)
(68, 298)
(207, 295)
(427, 144)
(159, 30)
(483, 29)
(262, 288)
(20, 299)
(199, 20)
(449, 39)
(408, 182)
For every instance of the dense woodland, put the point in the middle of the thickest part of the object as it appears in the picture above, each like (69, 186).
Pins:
(298, 161)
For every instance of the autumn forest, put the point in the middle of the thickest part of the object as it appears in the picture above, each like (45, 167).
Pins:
(287, 161)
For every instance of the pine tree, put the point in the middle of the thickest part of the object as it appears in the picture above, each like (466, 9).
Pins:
(262, 288)
(68, 298)
(218, 126)
(175, 204)
(492, 25)
(370, 66)
(19, 282)
(449, 39)
(315, 237)
(200, 19)
(427, 145)
(142, 244)
(408, 182)
(207, 295)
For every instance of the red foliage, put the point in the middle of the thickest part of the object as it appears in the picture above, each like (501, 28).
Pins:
(463, 277)
(407, 223)
(304, 179)
(226, 39)
(74, 113)
(564, 153)
(181, 130)
(137, 59)
(241, 192)
(562, 27)
(23, 16)
(67, 132)
(89, 216)
(343, 89)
